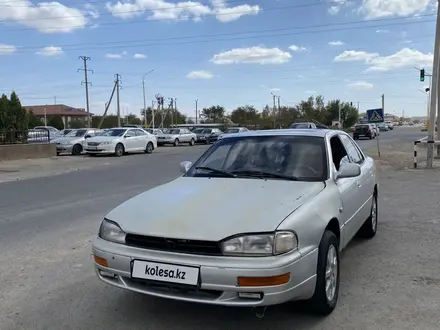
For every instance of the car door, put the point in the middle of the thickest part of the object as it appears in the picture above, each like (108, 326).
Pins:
(365, 181)
(142, 139)
(186, 135)
(130, 140)
(349, 191)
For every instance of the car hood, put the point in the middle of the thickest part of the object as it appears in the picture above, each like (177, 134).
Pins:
(103, 138)
(72, 139)
(212, 208)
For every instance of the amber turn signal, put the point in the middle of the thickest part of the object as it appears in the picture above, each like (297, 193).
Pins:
(100, 261)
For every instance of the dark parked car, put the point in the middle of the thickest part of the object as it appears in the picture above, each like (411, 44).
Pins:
(207, 135)
(303, 126)
(363, 130)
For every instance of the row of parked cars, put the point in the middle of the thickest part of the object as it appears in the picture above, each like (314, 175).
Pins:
(371, 131)
(125, 139)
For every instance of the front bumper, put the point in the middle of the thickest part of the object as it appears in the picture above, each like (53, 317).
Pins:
(100, 149)
(64, 148)
(218, 275)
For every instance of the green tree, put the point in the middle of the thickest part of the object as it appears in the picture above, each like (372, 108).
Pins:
(77, 123)
(33, 120)
(245, 115)
(213, 114)
(4, 115)
(109, 121)
(55, 121)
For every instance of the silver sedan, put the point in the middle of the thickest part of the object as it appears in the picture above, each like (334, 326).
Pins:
(259, 219)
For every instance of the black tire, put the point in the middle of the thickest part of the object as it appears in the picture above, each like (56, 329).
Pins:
(192, 142)
(58, 153)
(92, 155)
(119, 150)
(207, 141)
(369, 228)
(176, 142)
(77, 150)
(149, 148)
(320, 303)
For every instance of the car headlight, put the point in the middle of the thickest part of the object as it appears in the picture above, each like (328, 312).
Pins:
(261, 244)
(106, 142)
(110, 231)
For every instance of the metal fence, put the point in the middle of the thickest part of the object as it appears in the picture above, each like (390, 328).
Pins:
(24, 136)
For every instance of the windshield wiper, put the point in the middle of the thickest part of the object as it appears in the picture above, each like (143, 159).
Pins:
(262, 175)
(214, 170)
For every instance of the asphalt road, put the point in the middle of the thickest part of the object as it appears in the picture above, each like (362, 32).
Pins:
(400, 134)
(48, 282)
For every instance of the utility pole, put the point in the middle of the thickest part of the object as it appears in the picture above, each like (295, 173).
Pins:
(118, 101)
(175, 109)
(197, 115)
(274, 109)
(434, 94)
(45, 116)
(86, 83)
(55, 100)
(152, 113)
(143, 92)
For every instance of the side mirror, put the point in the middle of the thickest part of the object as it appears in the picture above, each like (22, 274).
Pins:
(185, 166)
(127, 136)
(88, 136)
(348, 170)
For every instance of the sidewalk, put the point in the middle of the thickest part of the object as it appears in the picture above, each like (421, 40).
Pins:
(42, 167)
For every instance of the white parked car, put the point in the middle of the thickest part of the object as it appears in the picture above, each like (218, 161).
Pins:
(121, 140)
(75, 141)
(233, 130)
(259, 219)
(176, 136)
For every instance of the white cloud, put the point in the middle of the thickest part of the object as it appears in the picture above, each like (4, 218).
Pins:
(113, 56)
(50, 51)
(333, 10)
(353, 55)
(274, 89)
(139, 56)
(336, 43)
(256, 55)
(228, 14)
(406, 57)
(296, 48)
(310, 92)
(199, 75)
(91, 10)
(46, 17)
(161, 9)
(382, 31)
(360, 85)
(387, 8)
(7, 49)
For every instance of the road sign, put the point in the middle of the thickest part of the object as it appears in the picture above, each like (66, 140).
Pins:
(375, 115)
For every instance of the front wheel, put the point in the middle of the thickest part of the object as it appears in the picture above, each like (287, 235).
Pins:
(149, 148)
(119, 150)
(192, 142)
(176, 142)
(326, 294)
(369, 228)
(76, 150)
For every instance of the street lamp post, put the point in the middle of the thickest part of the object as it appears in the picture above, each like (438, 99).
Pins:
(145, 101)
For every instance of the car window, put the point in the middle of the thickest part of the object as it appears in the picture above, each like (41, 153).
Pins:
(130, 133)
(353, 153)
(198, 130)
(300, 125)
(139, 132)
(174, 131)
(232, 130)
(339, 154)
(300, 156)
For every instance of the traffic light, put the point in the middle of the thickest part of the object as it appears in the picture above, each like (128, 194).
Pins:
(422, 75)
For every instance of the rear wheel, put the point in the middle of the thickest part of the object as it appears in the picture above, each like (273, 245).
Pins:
(326, 294)
(77, 149)
(119, 150)
(192, 142)
(176, 142)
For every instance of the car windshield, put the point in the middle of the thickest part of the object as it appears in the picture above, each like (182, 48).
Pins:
(300, 125)
(361, 126)
(115, 132)
(77, 133)
(198, 130)
(173, 131)
(266, 157)
(232, 130)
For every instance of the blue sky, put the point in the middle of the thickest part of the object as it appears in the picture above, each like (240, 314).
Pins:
(229, 53)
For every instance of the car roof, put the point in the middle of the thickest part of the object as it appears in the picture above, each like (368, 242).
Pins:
(285, 132)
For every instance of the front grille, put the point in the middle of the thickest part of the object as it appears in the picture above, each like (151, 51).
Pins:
(173, 245)
(93, 144)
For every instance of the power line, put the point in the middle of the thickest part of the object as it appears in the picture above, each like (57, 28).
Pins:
(182, 41)
(181, 7)
(86, 83)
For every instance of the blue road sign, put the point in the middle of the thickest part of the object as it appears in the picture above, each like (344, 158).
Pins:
(375, 115)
